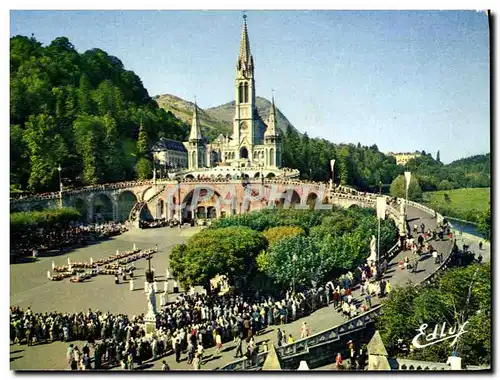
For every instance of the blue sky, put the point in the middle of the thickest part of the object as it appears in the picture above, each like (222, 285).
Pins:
(404, 80)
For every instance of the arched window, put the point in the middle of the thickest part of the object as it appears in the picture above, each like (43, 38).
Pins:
(245, 100)
(271, 157)
(193, 158)
(240, 94)
(244, 153)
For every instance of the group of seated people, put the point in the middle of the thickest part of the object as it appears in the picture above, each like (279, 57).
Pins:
(111, 265)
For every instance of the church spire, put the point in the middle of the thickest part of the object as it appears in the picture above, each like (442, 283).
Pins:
(195, 133)
(271, 121)
(245, 59)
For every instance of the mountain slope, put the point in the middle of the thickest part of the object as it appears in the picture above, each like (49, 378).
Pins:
(183, 109)
(218, 119)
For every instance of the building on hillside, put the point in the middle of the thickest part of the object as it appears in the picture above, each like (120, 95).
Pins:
(253, 143)
(170, 154)
(403, 158)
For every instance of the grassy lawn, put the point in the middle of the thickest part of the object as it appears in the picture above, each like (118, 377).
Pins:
(465, 204)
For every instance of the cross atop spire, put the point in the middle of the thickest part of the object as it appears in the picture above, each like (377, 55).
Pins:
(195, 133)
(271, 121)
(245, 59)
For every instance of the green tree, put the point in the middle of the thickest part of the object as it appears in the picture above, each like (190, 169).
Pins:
(275, 234)
(398, 188)
(144, 168)
(459, 295)
(46, 149)
(484, 227)
(445, 185)
(230, 251)
(89, 134)
(84, 96)
(114, 157)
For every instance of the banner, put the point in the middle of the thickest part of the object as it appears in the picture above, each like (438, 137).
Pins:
(381, 207)
(408, 179)
(332, 164)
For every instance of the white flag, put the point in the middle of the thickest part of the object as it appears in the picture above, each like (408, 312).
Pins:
(381, 207)
(408, 179)
(332, 164)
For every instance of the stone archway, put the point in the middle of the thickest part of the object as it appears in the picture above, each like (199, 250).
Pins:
(189, 207)
(102, 207)
(270, 175)
(81, 206)
(312, 198)
(160, 208)
(289, 199)
(243, 152)
(126, 202)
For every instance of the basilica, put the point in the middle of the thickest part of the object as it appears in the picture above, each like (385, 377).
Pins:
(254, 145)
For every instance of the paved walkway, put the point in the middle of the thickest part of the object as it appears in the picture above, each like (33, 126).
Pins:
(52, 356)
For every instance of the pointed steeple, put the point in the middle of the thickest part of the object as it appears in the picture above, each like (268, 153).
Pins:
(195, 133)
(271, 121)
(245, 59)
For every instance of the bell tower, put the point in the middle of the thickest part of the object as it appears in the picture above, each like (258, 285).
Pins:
(244, 124)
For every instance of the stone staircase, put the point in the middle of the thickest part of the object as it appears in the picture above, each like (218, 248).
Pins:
(135, 213)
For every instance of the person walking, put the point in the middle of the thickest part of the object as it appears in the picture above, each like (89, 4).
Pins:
(164, 366)
(338, 361)
(415, 266)
(196, 363)
(480, 245)
(239, 348)
(304, 331)
(435, 256)
(218, 342)
(177, 349)
(279, 337)
(388, 287)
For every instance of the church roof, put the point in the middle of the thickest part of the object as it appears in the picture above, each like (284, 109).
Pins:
(245, 59)
(195, 133)
(164, 144)
(271, 121)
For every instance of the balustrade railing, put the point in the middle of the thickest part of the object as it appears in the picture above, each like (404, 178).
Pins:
(303, 346)
(55, 195)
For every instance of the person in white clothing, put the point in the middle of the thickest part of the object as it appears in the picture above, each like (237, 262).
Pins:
(162, 299)
(146, 287)
(165, 286)
(53, 264)
(131, 285)
(304, 331)
(155, 287)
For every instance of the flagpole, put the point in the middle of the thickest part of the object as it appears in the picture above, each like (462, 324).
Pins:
(378, 242)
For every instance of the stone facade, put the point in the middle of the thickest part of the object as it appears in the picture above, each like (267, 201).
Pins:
(170, 154)
(403, 158)
(230, 197)
(253, 143)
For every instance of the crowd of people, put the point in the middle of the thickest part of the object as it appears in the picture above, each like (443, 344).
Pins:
(116, 265)
(157, 223)
(189, 324)
(30, 242)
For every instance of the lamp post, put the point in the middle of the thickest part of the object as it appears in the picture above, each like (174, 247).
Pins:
(380, 187)
(149, 274)
(179, 200)
(60, 186)
(294, 259)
